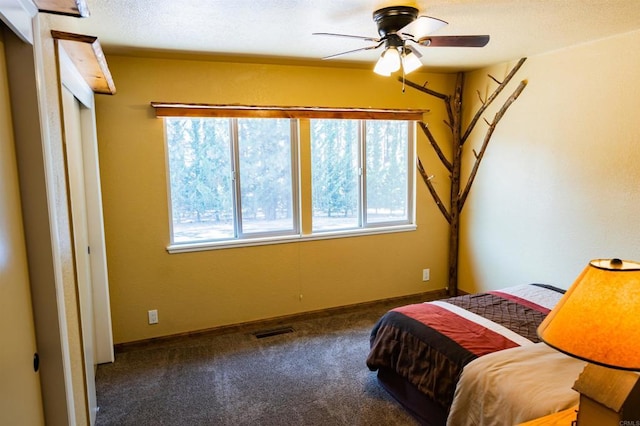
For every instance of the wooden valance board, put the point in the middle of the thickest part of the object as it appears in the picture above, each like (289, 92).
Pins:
(86, 53)
(168, 109)
(77, 8)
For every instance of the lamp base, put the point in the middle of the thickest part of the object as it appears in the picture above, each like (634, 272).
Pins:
(608, 396)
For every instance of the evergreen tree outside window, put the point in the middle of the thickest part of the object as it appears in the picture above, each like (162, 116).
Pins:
(335, 174)
(230, 178)
(387, 171)
(266, 177)
(360, 173)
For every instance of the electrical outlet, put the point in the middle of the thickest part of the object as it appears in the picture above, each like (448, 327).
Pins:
(425, 275)
(153, 316)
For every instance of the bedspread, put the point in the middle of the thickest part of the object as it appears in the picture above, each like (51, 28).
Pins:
(514, 386)
(428, 344)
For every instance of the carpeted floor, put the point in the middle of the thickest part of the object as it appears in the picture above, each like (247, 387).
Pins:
(315, 375)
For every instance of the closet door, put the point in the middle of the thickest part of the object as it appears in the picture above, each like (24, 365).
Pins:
(71, 108)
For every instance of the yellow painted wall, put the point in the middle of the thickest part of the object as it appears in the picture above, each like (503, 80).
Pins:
(560, 184)
(20, 400)
(194, 291)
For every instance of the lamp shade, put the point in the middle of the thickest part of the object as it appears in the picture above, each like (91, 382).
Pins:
(410, 62)
(598, 318)
(389, 62)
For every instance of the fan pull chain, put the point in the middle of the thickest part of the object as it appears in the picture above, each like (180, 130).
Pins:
(403, 79)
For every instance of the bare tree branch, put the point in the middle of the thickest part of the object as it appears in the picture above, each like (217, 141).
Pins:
(492, 127)
(424, 89)
(457, 195)
(435, 146)
(448, 105)
(493, 96)
(494, 79)
(432, 190)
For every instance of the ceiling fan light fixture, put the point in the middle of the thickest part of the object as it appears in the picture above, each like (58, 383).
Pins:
(389, 62)
(410, 62)
(399, 27)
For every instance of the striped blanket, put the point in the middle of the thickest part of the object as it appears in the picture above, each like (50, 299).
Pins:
(428, 344)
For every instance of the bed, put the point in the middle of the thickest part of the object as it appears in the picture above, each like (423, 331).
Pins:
(419, 351)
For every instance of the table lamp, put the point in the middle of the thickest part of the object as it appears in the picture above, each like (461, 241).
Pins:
(598, 321)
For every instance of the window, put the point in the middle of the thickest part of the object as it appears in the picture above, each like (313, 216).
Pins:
(238, 180)
(231, 178)
(335, 174)
(360, 173)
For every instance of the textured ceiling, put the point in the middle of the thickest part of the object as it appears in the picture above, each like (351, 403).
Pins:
(282, 29)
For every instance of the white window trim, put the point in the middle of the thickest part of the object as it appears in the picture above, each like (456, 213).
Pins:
(216, 245)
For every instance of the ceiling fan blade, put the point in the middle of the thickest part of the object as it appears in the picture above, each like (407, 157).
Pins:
(454, 41)
(373, 39)
(422, 26)
(353, 51)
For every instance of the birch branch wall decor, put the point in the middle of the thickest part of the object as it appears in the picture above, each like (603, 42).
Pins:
(458, 193)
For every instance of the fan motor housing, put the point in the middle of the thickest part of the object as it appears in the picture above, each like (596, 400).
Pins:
(393, 18)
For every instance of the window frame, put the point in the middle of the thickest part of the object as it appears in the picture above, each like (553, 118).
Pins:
(411, 155)
(363, 221)
(235, 171)
(176, 110)
(237, 183)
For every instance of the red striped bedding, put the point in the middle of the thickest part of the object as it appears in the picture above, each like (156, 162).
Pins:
(428, 344)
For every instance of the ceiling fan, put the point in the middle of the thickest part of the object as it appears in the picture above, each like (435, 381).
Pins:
(399, 27)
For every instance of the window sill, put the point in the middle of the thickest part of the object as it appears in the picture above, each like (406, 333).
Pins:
(210, 245)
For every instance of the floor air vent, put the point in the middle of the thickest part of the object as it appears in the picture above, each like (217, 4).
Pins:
(273, 332)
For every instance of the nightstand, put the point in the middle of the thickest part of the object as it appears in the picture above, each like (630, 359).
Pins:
(561, 418)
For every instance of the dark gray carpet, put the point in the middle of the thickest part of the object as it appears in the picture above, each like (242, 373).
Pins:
(313, 376)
